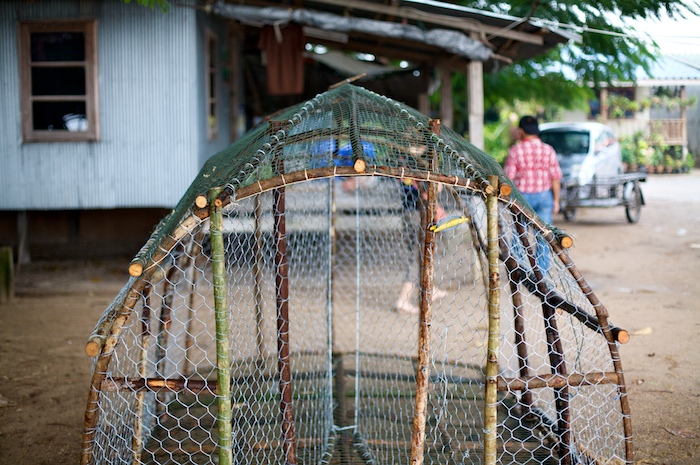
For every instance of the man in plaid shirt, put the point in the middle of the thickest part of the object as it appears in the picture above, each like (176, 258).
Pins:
(532, 165)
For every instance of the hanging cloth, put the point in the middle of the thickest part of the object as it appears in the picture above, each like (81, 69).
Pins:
(283, 48)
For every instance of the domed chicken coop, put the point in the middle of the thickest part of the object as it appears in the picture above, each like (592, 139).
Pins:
(350, 283)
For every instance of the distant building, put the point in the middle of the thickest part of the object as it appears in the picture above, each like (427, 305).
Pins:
(678, 75)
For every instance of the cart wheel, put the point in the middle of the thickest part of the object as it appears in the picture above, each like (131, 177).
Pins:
(634, 205)
(569, 214)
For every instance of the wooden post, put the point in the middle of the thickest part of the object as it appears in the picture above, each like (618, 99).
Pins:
(426, 314)
(475, 101)
(684, 127)
(282, 304)
(494, 305)
(604, 105)
(446, 107)
(7, 274)
(23, 249)
(223, 363)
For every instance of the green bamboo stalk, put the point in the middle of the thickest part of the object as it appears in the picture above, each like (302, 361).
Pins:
(491, 388)
(223, 364)
(137, 440)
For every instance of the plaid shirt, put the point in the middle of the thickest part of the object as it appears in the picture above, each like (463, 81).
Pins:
(532, 165)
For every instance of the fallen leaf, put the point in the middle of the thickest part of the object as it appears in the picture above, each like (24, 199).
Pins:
(5, 402)
(684, 433)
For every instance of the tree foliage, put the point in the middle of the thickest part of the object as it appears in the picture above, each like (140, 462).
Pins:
(609, 50)
(164, 5)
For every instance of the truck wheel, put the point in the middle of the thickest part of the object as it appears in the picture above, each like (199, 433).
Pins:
(634, 205)
(569, 214)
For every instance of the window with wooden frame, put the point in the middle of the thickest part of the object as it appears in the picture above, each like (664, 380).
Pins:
(58, 70)
(212, 65)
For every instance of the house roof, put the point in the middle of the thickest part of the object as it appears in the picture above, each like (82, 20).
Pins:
(672, 70)
(429, 32)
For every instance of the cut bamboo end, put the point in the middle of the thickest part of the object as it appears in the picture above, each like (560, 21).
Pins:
(93, 347)
(135, 269)
(505, 190)
(359, 166)
(622, 336)
(566, 242)
(201, 201)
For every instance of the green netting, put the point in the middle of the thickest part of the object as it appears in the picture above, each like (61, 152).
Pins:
(335, 129)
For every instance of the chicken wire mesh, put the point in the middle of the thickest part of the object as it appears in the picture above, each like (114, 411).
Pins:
(345, 285)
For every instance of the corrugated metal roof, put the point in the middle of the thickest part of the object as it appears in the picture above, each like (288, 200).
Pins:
(670, 68)
(690, 59)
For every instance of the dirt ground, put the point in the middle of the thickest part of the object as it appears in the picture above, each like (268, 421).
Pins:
(647, 275)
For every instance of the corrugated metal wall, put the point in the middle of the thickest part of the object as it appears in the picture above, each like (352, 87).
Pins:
(152, 130)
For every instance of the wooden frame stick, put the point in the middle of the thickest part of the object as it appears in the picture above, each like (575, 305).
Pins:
(163, 335)
(555, 349)
(196, 252)
(257, 282)
(520, 343)
(425, 320)
(99, 372)
(282, 304)
(610, 336)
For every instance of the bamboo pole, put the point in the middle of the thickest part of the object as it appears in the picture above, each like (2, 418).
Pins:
(282, 304)
(223, 364)
(426, 313)
(494, 305)
(137, 440)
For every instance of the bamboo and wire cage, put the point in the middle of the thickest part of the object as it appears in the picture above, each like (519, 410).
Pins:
(260, 322)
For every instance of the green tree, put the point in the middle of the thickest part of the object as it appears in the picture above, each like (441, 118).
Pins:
(608, 52)
(164, 5)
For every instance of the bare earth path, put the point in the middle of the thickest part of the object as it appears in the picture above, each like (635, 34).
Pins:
(647, 275)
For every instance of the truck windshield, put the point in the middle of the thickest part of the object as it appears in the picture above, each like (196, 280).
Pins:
(567, 143)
